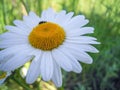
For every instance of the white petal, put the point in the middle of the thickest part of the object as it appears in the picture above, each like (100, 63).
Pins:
(46, 66)
(75, 64)
(20, 24)
(48, 15)
(35, 18)
(17, 30)
(57, 75)
(88, 48)
(10, 35)
(11, 42)
(76, 22)
(29, 22)
(82, 37)
(82, 40)
(85, 48)
(83, 57)
(79, 54)
(43, 15)
(66, 19)
(4, 59)
(60, 18)
(33, 71)
(62, 60)
(12, 50)
(80, 31)
(34, 51)
(69, 16)
(15, 62)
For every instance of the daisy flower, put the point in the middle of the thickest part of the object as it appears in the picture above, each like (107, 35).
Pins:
(50, 42)
(3, 76)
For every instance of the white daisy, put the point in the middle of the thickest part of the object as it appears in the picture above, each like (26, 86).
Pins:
(3, 76)
(51, 42)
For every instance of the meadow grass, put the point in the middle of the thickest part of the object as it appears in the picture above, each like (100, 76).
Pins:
(104, 73)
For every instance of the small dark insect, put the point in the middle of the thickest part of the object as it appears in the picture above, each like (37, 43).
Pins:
(42, 22)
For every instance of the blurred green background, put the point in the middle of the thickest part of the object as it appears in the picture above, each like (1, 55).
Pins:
(104, 16)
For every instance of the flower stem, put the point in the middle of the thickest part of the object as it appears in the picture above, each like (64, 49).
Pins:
(21, 84)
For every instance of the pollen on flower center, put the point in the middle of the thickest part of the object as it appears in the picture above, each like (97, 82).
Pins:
(3, 75)
(46, 36)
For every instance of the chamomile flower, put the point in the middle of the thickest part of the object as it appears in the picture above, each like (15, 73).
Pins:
(3, 76)
(51, 42)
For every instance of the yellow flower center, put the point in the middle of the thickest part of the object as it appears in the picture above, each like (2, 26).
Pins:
(3, 75)
(46, 36)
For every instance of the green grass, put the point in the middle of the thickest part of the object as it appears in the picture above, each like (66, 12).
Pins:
(104, 73)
